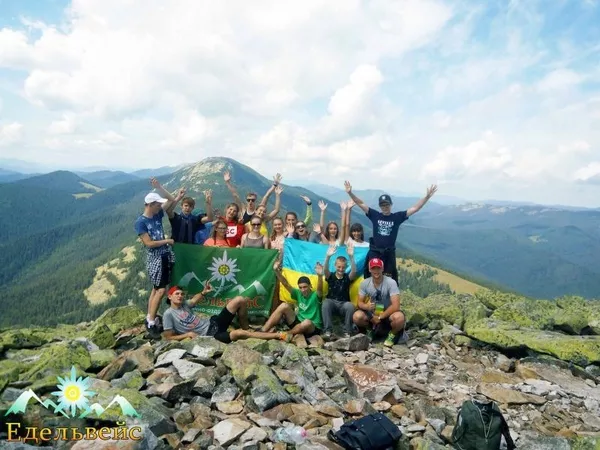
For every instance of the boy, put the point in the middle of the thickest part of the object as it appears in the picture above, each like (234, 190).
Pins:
(184, 226)
(338, 297)
(379, 306)
(385, 227)
(180, 322)
(160, 257)
(308, 319)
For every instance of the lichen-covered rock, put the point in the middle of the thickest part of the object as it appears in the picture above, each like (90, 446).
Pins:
(101, 335)
(102, 358)
(456, 310)
(121, 318)
(581, 350)
(538, 314)
(57, 360)
(495, 299)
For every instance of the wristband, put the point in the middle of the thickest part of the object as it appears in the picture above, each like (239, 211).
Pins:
(309, 203)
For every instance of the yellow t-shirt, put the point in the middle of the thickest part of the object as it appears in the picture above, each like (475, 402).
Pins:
(263, 229)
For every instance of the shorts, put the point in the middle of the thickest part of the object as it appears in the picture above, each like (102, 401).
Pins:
(219, 325)
(306, 335)
(385, 326)
(159, 269)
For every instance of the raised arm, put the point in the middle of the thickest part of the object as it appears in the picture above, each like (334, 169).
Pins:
(178, 196)
(349, 207)
(273, 214)
(282, 280)
(276, 181)
(319, 271)
(209, 209)
(350, 251)
(163, 192)
(356, 200)
(200, 295)
(417, 206)
(343, 233)
(330, 252)
(233, 190)
(309, 211)
(322, 207)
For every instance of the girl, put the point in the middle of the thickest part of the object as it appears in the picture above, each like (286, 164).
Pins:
(261, 212)
(330, 234)
(355, 234)
(218, 236)
(278, 235)
(235, 229)
(254, 239)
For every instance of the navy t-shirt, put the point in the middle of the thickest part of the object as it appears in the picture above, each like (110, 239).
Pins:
(184, 228)
(385, 228)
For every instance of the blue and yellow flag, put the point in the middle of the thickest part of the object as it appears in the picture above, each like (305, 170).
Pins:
(300, 258)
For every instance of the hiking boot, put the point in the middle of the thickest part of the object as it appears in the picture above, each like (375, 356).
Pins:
(154, 330)
(327, 336)
(390, 340)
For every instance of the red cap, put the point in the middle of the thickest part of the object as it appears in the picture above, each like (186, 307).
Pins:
(173, 289)
(375, 262)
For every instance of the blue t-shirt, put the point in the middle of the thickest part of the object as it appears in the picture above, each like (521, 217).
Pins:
(385, 228)
(203, 233)
(154, 227)
(183, 228)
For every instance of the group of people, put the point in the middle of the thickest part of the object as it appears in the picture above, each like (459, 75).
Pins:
(378, 307)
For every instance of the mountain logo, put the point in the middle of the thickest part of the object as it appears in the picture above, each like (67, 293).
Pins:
(73, 395)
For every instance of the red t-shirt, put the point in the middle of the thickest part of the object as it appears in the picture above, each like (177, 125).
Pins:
(235, 230)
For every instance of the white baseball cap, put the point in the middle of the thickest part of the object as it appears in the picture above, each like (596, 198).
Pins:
(154, 197)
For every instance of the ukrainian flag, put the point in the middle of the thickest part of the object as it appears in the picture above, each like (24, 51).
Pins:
(300, 258)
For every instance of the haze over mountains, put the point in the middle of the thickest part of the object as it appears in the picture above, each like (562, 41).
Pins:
(63, 226)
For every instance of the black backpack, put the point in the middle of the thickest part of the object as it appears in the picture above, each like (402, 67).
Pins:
(480, 426)
(372, 432)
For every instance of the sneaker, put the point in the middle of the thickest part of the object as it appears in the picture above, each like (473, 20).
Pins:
(154, 330)
(287, 337)
(346, 335)
(391, 340)
(327, 336)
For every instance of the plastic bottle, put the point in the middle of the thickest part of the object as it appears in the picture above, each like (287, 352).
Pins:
(290, 435)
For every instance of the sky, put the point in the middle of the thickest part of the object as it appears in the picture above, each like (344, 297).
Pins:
(494, 99)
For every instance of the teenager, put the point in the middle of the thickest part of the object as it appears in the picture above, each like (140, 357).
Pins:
(385, 228)
(218, 235)
(261, 212)
(307, 320)
(337, 301)
(184, 226)
(291, 218)
(379, 306)
(254, 238)
(159, 256)
(235, 229)
(354, 234)
(180, 322)
(251, 197)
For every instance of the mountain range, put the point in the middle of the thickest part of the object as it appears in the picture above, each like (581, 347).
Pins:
(65, 233)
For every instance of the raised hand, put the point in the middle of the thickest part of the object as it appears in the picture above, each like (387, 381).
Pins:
(180, 194)
(331, 250)
(207, 288)
(350, 249)
(350, 204)
(317, 228)
(431, 190)
(277, 179)
(208, 195)
(290, 229)
(322, 205)
(278, 190)
(347, 186)
(306, 199)
(227, 176)
(344, 206)
(154, 182)
(319, 268)
(276, 265)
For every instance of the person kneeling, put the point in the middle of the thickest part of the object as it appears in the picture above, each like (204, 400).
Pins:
(380, 314)
(308, 319)
(180, 322)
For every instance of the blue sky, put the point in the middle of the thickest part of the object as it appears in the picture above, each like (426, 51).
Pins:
(495, 99)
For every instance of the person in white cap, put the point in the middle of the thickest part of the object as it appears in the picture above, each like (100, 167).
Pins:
(160, 258)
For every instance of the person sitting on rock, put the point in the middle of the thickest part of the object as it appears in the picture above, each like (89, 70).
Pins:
(379, 306)
(338, 296)
(307, 320)
(180, 322)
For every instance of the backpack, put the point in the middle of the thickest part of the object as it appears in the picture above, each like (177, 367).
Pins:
(372, 432)
(480, 426)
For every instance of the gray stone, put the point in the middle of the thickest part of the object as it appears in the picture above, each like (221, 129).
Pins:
(226, 392)
(355, 343)
(504, 363)
(227, 431)
(530, 442)
(187, 369)
(167, 358)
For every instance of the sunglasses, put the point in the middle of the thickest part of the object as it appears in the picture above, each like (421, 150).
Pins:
(256, 224)
(251, 200)
(300, 226)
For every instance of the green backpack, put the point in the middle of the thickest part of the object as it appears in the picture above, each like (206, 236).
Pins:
(480, 426)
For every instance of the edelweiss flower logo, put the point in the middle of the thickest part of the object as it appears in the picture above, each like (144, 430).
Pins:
(223, 269)
(73, 392)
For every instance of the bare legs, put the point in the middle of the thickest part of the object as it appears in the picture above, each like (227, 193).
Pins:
(286, 311)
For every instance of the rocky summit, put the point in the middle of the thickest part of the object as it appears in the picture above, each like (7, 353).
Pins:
(540, 361)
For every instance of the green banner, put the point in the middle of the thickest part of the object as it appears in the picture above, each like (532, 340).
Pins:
(230, 271)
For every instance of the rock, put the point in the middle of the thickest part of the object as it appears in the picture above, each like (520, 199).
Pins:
(130, 380)
(206, 382)
(399, 410)
(543, 443)
(120, 318)
(187, 369)
(142, 358)
(254, 434)
(437, 424)
(422, 358)
(508, 396)
(227, 431)
(356, 343)
(369, 382)
(167, 358)
(503, 363)
(226, 392)
(493, 376)
(382, 406)
(102, 358)
(190, 435)
(411, 387)
(233, 407)
(453, 309)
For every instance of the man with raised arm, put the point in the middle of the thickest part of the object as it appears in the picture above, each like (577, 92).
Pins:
(159, 256)
(251, 197)
(184, 226)
(385, 228)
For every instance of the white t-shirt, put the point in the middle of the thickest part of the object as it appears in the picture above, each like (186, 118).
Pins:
(357, 244)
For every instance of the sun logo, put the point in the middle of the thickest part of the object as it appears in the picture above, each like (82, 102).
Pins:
(73, 393)
(223, 269)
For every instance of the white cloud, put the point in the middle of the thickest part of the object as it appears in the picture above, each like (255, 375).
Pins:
(559, 79)
(590, 173)
(10, 134)
(66, 125)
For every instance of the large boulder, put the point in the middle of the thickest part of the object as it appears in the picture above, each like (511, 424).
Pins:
(458, 310)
